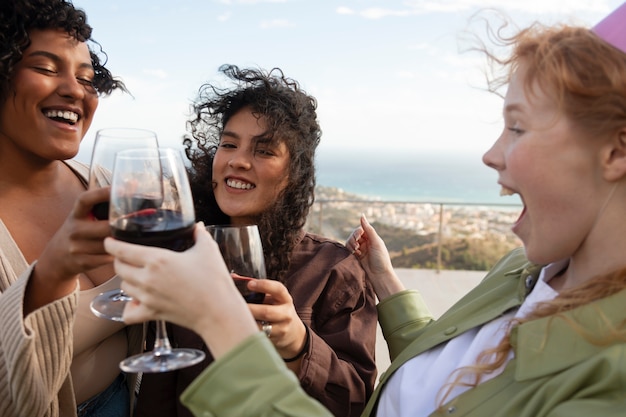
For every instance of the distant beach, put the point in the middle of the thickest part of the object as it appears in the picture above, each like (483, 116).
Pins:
(419, 176)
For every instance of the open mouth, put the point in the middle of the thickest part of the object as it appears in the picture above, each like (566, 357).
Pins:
(240, 185)
(63, 116)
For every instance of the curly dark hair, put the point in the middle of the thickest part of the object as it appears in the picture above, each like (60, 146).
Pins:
(19, 17)
(291, 118)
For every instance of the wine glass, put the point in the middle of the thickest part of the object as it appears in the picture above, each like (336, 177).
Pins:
(151, 204)
(242, 251)
(108, 142)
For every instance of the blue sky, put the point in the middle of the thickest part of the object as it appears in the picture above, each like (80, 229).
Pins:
(386, 73)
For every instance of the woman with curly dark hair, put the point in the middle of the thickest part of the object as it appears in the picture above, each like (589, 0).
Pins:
(56, 358)
(252, 151)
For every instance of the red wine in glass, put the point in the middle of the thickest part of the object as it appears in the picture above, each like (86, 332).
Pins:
(155, 227)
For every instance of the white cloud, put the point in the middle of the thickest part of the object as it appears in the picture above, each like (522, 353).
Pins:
(224, 17)
(416, 7)
(276, 23)
(345, 10)
(158, 73)
(231, 2)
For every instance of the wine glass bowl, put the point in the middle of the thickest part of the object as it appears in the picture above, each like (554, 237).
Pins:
(151, 204)
(108, 142)
(242, 251)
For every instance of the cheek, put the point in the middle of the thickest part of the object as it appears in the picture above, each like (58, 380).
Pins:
(218, 162)
(91, 105)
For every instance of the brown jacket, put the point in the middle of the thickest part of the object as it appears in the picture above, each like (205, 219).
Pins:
(329, 290)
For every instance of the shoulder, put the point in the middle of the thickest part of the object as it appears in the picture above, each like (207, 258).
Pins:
(327, 260)
(323, 249)
(80, 168)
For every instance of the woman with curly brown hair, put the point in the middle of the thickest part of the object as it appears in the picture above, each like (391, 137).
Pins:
(252, 151)
(56, 358)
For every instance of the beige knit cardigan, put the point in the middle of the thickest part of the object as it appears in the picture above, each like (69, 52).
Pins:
(36, 350)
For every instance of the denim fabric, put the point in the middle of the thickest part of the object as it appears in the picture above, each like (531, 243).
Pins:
(112, 402)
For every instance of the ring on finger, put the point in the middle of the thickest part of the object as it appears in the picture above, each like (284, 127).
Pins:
(267, 328)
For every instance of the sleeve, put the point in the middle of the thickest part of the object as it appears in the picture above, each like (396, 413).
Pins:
(35, 353)
(402, 316)
(615, 407)
(251, 380)
(339, 368)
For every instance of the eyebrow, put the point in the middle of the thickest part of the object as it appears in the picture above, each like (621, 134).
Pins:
(509, 108)
(57, 59)
(262, 138)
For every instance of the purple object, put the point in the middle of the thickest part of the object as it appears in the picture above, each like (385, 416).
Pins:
(613, 28)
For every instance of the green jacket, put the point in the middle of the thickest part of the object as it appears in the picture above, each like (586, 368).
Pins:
(556, 372)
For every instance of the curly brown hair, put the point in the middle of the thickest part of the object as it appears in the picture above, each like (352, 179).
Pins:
(19, 17)
(290, 114)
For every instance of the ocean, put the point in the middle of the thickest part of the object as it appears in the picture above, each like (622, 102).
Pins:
(417, 176)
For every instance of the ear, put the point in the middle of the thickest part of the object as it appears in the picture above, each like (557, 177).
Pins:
(614, 161)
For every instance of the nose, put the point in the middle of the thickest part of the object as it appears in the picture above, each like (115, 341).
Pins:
(70, 87)
(240, 160)
(494, 157)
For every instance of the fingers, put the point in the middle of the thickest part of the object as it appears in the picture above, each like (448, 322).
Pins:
(136, 312)
(85, 202)
(366, 224)
(275, 290)
(126, 253)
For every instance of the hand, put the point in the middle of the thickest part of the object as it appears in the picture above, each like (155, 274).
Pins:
(288, 332)
(75, 248)
(372, 253)
(161, 281)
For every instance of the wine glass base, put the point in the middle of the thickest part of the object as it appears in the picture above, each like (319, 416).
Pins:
(151, 363)
(110, 305)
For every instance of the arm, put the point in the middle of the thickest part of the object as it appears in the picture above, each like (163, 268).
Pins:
(339, 368)
(76, 247)
(267, 390)
(402, 316)
(326, 291)
(35, 352)
(38, 309)
(218, 313)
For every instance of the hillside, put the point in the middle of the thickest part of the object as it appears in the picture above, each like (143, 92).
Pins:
(472, 238)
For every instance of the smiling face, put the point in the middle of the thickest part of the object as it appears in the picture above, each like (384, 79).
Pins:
(52, 102)
(543, 157)
(248, 172)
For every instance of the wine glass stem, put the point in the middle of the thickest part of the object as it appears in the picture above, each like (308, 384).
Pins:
(162, 346)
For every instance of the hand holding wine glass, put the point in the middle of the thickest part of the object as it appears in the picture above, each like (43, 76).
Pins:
(151, 204)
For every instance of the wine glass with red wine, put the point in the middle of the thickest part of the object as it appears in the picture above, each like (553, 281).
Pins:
(107, 144)
(151, 204)
(242, 251)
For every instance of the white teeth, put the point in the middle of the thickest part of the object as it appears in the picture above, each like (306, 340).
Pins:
(70, 116)
(239, 185)
(504, 191)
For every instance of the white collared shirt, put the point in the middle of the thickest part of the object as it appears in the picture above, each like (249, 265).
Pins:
(416, 387)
